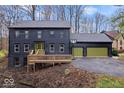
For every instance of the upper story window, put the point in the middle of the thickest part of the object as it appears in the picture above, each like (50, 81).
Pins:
(26, 47)
(51, 48)
(61, 48)
(39, 34)
(52, 32)
(17, 33)
(16, 48)
(120, 42)
(61, 34)
(26, 34)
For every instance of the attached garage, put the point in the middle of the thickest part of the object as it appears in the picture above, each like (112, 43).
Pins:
(97, 52)
(77, 52)
(91, 45)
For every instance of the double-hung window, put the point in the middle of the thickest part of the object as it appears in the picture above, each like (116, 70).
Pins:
(61, 35)
(16, 48)
(39, 34)
(17, 33)
(52, 32)
(26, 34)
(26, 47)
(61, 48)
(51, 48)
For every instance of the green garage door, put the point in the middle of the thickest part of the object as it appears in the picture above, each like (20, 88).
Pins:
(77, 52)
(97, 52)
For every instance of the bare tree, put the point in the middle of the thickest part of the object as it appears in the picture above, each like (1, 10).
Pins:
(47, 12)
(99, 20)
(30, 11)
(78, 13)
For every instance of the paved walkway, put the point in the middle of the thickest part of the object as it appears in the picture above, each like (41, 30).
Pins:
(101, 65)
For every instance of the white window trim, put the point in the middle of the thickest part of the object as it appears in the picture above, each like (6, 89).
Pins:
(51, 50)
(16, 48)
(26, 34)
(52, 32)
(26, 47)
(17, 33)
(39, 33)
(61, 34)
(18, 64)
(61, 48)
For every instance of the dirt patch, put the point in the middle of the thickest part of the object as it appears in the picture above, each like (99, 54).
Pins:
(59, 76)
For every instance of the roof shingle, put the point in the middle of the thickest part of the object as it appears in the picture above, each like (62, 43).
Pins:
(41, 24)
(88, 37)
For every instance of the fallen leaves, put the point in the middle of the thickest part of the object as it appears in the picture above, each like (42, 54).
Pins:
(59, 76)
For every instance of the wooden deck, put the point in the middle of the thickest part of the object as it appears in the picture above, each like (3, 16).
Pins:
(32, 59)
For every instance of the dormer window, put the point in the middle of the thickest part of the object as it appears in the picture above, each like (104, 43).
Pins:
(52, 32)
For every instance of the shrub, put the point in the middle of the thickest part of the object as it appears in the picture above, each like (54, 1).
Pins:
(3, 53)
(114, 52)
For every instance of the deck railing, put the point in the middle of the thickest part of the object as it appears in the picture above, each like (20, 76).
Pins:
(49, 58)
(41, 57)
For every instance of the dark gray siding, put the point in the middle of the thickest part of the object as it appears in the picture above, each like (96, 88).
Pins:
(93, 44)
(46, 38)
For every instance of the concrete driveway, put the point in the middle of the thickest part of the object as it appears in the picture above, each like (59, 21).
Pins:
(108, 66)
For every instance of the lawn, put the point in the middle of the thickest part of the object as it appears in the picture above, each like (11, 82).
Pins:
(121, 58)
(110, 82)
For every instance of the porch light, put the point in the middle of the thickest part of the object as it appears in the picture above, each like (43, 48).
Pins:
(73, 41)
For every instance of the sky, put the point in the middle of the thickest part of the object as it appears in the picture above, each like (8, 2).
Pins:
(107, 10)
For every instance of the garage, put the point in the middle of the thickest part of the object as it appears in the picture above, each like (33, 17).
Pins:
(91, 45)
(77, 52)
(97, 52)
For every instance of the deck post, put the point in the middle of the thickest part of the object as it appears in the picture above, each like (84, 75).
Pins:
(53, 64)
(34, 67)
(27, 68)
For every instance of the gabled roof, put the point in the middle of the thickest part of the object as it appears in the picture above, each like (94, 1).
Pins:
(90, 37)
(111, 34)
(40, 24)
(119, 35)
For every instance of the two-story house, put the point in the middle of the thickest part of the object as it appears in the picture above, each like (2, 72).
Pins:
(52, 37)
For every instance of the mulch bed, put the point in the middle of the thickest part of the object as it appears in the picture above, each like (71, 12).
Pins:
(59, 76)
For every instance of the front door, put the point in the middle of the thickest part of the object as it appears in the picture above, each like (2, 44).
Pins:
(39, 46)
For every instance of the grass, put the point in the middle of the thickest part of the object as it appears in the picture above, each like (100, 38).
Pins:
(110, 82)
(121, 56)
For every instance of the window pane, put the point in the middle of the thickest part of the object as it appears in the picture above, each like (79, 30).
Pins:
(26, 47)
(61, 34)
(16, 60)
(61, 48)
(52, 48)
(39, 34)
(17, 33)
(16, 47)
(51, 32)
(26, 34)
